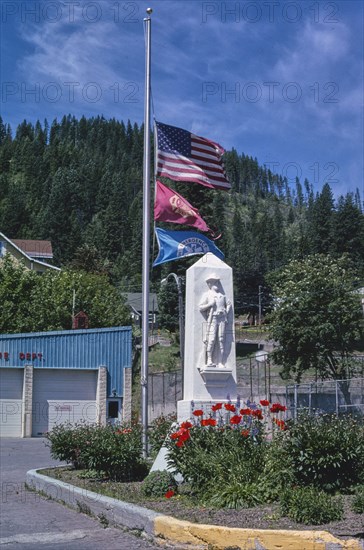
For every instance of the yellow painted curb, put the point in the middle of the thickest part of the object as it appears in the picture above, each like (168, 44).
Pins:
(220, 538)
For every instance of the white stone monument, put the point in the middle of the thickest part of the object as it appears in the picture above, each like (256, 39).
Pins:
(210, 363)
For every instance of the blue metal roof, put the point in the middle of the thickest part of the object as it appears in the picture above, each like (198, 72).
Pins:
(72, 349)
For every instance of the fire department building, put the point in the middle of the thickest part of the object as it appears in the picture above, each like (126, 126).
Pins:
(51, 378)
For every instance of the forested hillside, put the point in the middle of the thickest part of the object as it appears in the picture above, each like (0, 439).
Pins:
(79, 184)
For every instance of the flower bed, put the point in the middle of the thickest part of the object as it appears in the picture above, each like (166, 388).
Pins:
(243, 457)
(234, 457)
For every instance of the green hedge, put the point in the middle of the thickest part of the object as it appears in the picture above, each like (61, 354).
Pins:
(114, 451)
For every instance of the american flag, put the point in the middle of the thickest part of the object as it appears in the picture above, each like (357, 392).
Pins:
(182, 156)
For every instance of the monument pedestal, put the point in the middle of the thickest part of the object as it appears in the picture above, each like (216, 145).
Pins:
(210, 362)
(186, 408)
(216, 377)
(209, 356)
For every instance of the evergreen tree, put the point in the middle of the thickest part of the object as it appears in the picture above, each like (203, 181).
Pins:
(348, 231)
(321, 221)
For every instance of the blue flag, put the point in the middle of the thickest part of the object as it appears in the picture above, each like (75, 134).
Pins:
(174, 245)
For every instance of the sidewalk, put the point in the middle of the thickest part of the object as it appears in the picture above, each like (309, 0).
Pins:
(183, 534)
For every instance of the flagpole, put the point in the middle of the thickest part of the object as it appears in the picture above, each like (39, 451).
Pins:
(146, 237)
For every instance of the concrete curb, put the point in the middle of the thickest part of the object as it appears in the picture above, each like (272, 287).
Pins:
(114, 511)
(182, 534)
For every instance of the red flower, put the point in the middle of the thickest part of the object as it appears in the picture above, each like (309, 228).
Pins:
(264, 402)
(208, 422)
(230, 407)
(124, 431)
(281, 424)
(257, 413)
(182, 435)
(245, 412)
(169, 494)
(185, 436)
(245, 433)
(236, 419)
(186, 425)
(198, 412)
(216, 407)
(277, 407)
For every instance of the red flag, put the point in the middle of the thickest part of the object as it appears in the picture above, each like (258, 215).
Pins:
(169, 206)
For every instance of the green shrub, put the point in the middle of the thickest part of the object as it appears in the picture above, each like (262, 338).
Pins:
(233, 495)
(277, 471)
(311, 506)
(116, 451)
(157, 483)
(110, 451)
(325, 451)
(158, 431)
(67, 442)
(358, 500)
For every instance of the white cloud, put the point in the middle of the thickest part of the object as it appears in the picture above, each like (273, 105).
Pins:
(80, 53)
(314, 52)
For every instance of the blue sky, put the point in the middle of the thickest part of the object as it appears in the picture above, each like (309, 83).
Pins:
(281, 81)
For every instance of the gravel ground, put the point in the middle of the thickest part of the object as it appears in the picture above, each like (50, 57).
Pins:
(261, 517)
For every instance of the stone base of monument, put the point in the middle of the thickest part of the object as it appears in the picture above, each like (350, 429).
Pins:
(185, 408)
(215, 376)
(160, 463)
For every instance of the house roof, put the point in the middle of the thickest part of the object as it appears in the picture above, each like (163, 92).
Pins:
(29, 258)
(135, 301)
(35, 248)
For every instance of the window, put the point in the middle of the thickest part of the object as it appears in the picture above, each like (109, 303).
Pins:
(113, 409)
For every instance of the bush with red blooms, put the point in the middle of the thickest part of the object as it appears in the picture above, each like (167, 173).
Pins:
(224, 454)
(224, 440)
(219, 416)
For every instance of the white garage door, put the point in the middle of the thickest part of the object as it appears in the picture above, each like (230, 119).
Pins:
(61, 396)
(11, 403)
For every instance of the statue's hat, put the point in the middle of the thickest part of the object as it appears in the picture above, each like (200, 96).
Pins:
(212, 277)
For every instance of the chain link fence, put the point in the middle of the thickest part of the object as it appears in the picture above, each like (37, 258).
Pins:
(328, 396)
(164, 390)
(261, 380)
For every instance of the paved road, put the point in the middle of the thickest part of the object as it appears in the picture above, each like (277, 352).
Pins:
(28, 521)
